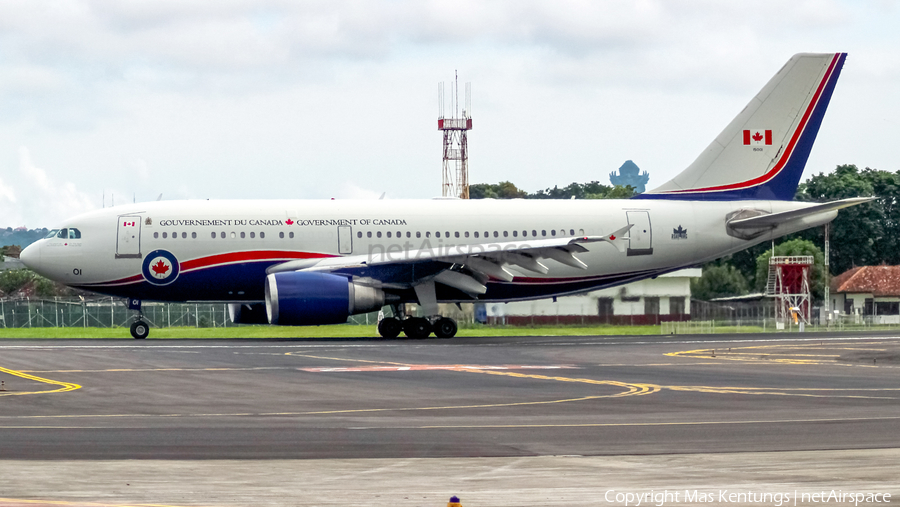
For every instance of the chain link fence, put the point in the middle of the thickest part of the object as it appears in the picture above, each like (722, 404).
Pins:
(107, 312)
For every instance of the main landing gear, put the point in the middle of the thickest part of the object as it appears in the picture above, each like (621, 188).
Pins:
(139, 328)
(416, 327)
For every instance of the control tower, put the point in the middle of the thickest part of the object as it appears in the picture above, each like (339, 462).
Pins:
(456, 151)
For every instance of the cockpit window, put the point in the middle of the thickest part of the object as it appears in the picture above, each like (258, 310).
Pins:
(74, 233)
(51, 234)
(63, 233)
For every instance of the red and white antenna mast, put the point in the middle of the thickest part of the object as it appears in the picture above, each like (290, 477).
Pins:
(456, 149)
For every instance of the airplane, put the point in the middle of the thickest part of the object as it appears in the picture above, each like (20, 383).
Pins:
(317, 262)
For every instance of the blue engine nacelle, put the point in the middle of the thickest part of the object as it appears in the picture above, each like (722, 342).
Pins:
(309, 299)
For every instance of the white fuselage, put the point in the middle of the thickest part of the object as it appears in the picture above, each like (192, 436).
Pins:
(223, 248)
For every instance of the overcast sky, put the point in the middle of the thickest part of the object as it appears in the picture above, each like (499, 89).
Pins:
(320, 99)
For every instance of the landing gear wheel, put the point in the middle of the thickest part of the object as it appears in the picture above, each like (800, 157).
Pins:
(390, 327)
(445, 328)
(140, 329)
(417, 327)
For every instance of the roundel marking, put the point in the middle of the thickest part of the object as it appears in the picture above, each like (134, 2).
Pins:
(160, 267)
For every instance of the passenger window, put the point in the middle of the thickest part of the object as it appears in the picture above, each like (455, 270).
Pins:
(165, 235)
(553, 232)
(183, 235)
(252, 235)
(515, 234)
(496, 235)
(213, 235)
(262, 235)
(243, 235)
(222, 235)
(543, 233)
(378, 234)
(399, 234)
(571, 232)
(505, 234)
(232, 235)
(156, 235)
(358, 234)
(467, 234)
(581, 232)
(369, 234)
(447, 234)
(408, 234)
(476, 234)
(437, 234)
(418, 234)
(534, 233)
(193, 235)
(281, 234)
(388, 234)
(291, 235)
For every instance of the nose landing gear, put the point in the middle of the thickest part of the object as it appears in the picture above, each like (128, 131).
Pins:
(139, 328)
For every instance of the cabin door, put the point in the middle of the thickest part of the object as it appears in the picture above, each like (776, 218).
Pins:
(345, 240)
(641, 242)
(128, 245)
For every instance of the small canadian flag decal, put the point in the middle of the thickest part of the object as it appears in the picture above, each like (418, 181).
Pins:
(757, 137)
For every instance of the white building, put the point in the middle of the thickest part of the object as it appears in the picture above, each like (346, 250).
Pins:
(870, 292)
(651, 301)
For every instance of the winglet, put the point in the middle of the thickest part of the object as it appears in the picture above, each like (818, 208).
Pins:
(617, 238)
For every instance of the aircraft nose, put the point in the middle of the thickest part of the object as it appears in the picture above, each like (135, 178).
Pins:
(31, 256)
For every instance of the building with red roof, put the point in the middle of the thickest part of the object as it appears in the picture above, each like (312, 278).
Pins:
(869, 291)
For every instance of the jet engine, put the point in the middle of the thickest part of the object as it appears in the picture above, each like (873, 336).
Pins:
(248, 313)
(310, 299)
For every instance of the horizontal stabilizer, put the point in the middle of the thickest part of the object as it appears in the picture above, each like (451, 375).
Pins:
(775, 219)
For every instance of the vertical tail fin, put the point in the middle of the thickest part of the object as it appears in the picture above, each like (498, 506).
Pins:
(761, 154)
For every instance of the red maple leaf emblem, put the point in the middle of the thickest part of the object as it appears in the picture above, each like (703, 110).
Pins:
(160, 268)
(757, 137)
(289, 221)
(612, 236)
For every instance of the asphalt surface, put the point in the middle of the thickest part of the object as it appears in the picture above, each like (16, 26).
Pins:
(465, 397)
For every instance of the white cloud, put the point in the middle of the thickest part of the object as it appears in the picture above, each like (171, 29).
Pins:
(319, 99)
(44, 199)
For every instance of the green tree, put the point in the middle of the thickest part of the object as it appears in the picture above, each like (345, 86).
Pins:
(46, 288)
(591, 190)
(718, 281)
(502, 190)
(12, 280)
(616, 192)
(860, 235)
(795, 247)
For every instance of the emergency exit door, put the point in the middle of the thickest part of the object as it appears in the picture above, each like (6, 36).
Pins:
(128, 245)
(345, 239)
(640, 234)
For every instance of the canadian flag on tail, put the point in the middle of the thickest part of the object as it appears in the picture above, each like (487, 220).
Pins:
(757, 137)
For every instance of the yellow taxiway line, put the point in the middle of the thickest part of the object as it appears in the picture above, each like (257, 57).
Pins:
(63, 386)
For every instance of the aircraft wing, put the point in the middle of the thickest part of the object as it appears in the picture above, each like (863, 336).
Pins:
(774, 219)
(476, 263)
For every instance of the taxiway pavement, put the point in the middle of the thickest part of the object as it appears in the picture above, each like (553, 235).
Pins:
(465, 397)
